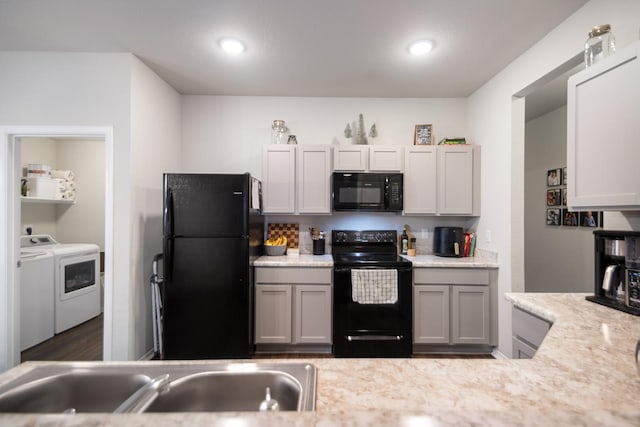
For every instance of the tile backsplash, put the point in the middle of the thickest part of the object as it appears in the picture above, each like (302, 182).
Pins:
(289, 230)
(419, 227)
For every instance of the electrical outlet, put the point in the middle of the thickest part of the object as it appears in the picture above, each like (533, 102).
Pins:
(488, 236)
(424, 233)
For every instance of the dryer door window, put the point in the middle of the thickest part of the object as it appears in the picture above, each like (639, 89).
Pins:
(79, 275)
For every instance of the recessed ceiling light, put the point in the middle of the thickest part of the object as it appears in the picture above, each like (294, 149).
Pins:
(420, 47)
(233, 46)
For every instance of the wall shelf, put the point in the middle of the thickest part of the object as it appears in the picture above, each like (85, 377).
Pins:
(49, 201)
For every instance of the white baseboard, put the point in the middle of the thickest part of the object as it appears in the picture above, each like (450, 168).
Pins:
(148, 355)
(498, 354)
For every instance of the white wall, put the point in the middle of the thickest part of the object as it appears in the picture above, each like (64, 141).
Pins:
(41, 217)
(155, 148)
(116, 90)
(82, 89)
(557, 259)
(226, 133)
(490, 115)
(83, 222)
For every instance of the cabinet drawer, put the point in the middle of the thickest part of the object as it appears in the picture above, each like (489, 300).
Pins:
(451, 276)
(297, 275)
(528, 327)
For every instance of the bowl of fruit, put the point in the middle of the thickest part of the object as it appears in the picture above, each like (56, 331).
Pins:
(276, 246)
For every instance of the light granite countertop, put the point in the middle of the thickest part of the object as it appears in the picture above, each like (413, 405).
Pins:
(304, 260)
(583, 374)
(293, 259)
(451, 262)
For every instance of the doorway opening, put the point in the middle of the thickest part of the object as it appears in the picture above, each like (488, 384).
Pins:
(62, 200)
(12, 140)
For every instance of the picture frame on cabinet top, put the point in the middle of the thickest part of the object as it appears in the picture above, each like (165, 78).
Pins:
(423, 135)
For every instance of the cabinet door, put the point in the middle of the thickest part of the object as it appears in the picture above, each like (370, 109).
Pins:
(385, 158)
(603, 102)
(430, 314)
(350, 158)
(278, 178)
(314, 179)
(520, 350)
(455, 180)
(420, 180)
(312, 320)
(273, 314)
(470, 315)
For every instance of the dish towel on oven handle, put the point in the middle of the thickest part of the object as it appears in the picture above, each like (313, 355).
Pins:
(374, 286)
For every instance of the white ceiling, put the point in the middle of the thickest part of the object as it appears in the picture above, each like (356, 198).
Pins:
(345, 48)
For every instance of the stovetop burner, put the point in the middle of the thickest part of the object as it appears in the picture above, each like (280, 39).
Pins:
(371, 248)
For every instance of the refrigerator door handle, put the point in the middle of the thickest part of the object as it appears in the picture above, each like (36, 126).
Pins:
(168, 215)
(168, 235)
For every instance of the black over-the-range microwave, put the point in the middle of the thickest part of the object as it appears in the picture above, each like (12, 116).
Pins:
(377, 192)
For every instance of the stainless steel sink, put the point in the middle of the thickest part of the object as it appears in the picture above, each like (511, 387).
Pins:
(158, 387)
(229, 391)
(76, 390)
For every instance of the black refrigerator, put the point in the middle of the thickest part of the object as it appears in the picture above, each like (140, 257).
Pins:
(213, 229)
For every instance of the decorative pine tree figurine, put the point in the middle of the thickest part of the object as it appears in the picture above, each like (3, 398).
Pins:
(361, 135)
(347, 131)
(373, 132)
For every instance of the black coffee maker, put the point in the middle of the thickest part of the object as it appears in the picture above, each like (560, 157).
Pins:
(611, 269)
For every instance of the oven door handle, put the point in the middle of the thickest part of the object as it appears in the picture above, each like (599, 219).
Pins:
(374, 337)
(348, 269)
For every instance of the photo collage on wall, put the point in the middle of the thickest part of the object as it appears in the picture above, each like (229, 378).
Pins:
(557, 211)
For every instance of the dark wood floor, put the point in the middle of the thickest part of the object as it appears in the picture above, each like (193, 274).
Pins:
(82, 342)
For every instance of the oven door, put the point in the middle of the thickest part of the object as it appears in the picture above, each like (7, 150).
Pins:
(372, 329)
(78, 275)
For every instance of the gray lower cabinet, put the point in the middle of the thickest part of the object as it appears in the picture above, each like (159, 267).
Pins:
(529, 331)
(451, 306)
(293, 306)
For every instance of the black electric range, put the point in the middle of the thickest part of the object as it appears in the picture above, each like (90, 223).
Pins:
(372, 312)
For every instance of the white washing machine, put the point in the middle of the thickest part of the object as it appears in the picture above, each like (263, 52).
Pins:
(36, 297)
(76, 271)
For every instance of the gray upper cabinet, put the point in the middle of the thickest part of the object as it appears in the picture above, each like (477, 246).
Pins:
(442, 180)
(351, 158)
(603, 105)
(420, 180)
(385, 158)
(314, 179)
(278, 178)
(296, 179)
(374, 158)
